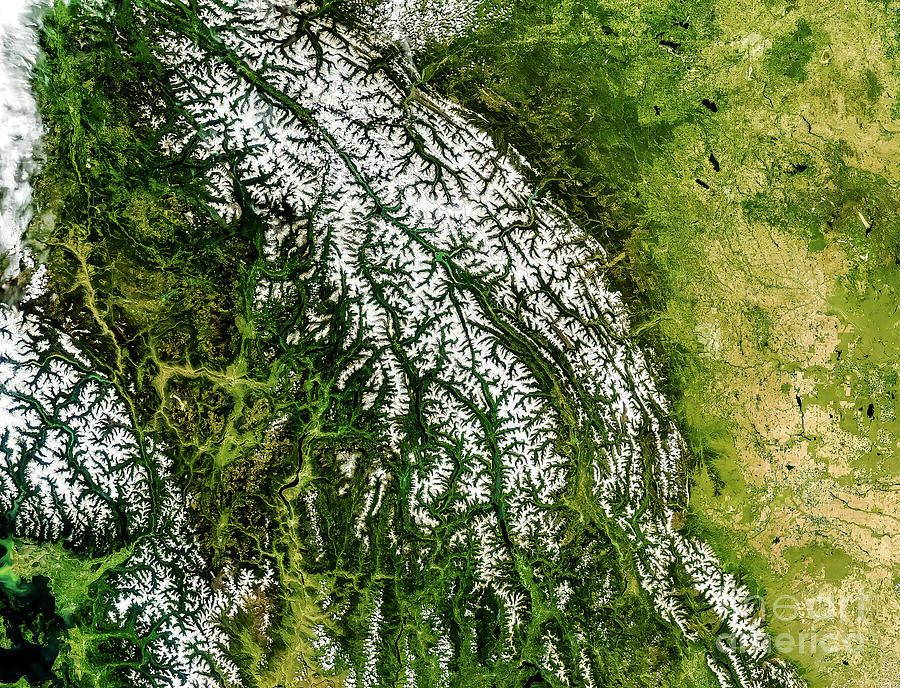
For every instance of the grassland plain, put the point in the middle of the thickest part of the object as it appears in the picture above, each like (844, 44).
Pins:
(740, 160)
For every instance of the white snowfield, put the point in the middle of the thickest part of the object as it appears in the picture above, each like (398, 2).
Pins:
(69, 461)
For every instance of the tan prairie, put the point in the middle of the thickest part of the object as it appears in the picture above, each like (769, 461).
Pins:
(795, 333)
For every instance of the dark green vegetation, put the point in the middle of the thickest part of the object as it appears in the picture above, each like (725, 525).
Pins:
(30, 628)
(789, 54)
(158, 289)
(589, 92)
